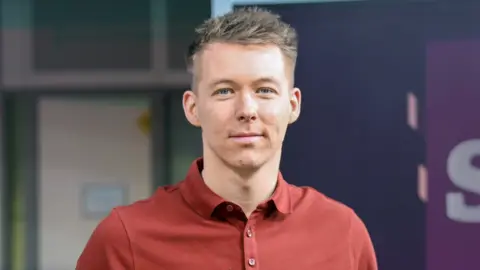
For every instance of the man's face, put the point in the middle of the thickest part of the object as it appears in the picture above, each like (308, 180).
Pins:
(243, 101)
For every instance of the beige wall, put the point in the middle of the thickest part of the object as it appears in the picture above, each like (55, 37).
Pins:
(84, 142)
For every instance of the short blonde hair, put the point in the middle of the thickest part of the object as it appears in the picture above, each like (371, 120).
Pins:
(249, 26)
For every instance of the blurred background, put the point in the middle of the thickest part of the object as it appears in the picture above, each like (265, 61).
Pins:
(91, 118)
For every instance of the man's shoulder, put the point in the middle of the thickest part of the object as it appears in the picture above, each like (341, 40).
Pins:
(328, 217)
(122, 220)
(163, 196)
(317, 203)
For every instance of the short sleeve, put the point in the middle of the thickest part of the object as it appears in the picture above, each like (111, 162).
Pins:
(108, 247)
(362, 246)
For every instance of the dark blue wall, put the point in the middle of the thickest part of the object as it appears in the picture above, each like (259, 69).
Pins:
(357, 62)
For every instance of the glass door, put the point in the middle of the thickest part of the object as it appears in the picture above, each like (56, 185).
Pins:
(69, 159)
(93, 154)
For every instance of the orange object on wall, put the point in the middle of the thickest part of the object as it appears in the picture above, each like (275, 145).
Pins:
(144, 122)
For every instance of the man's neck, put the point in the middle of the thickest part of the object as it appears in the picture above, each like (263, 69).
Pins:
(245, 191)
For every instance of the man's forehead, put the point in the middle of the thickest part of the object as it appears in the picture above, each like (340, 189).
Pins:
(226, 53)
(211, 79)
(213, 66)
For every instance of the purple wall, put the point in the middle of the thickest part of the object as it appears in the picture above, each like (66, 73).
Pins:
(453, 136)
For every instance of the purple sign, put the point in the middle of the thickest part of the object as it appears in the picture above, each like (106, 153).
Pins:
(453, 155)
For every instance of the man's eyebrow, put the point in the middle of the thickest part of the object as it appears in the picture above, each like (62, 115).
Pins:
(222, 81)
(256, 82)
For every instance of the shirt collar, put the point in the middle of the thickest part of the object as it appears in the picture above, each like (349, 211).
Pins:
(204, 201)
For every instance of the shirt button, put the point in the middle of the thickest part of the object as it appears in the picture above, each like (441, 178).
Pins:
(249, 233)
(251, 262)
(229, 208)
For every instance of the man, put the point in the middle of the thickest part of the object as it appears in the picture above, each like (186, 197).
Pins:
(234, 210)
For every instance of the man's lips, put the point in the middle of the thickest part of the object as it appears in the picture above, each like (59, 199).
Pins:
(246, 137)
(246, 134)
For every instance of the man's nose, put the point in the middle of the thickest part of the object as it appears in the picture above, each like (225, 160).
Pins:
(247, 108)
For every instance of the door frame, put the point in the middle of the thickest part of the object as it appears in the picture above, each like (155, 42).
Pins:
(220, 7)
(3, 191)
(160, 174)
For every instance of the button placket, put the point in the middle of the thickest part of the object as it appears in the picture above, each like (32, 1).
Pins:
(250, 244)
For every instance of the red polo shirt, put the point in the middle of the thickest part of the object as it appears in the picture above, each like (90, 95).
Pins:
(188, 227)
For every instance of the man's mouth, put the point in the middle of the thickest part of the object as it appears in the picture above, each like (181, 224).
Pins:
(246, 137)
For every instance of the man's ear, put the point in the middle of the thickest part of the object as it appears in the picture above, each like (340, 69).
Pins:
(295, 105)
(190, 107)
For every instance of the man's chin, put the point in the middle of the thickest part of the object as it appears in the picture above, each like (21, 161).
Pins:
(247, 163)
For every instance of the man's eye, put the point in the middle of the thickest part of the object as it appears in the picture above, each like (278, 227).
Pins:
(265, 90)
(223, 91)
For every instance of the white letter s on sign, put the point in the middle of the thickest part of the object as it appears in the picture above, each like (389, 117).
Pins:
(466, 177)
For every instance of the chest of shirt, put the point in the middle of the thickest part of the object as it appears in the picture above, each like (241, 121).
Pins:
(265, 245)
